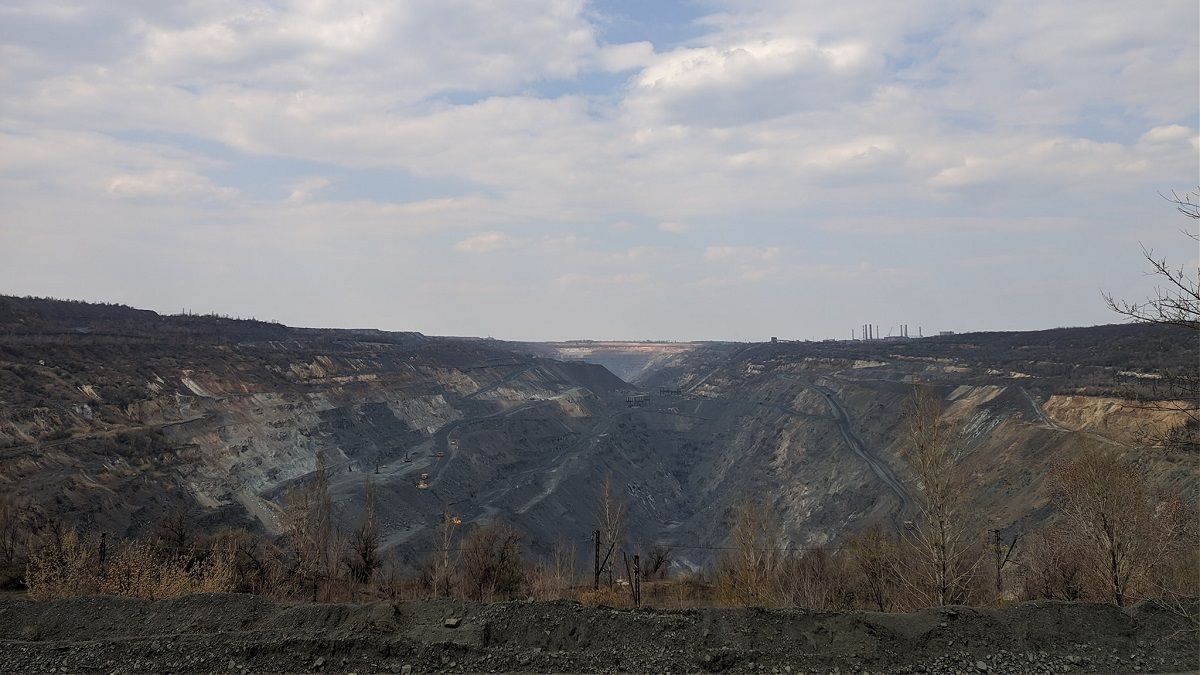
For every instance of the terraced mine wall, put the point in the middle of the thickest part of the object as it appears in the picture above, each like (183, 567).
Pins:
(110, 417)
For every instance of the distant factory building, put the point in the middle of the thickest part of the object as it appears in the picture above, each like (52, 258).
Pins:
(946, 332)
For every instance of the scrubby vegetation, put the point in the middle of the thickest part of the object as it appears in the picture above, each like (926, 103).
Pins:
(1115, 539)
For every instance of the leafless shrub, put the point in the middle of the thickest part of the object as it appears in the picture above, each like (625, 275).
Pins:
(258, 565)
(873, 557)
(748, 575)
(690, 588)
(363, 557)
(61, 567)
(1122, 528)
(13, 536)
(136, 570)
(310, 532)
(491, 563)
(815, 579)
(1051, 565)
(554, 577)
(176, 531)
(140, 569)
(658, 562)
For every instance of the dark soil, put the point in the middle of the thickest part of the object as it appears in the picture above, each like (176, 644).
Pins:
(239, 633)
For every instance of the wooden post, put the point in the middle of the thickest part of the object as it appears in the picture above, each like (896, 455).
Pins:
(637, 580)
(596, 580)
(999, 563)
(629, 577)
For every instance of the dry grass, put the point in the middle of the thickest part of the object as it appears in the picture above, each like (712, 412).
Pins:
(71, 566)
(62, 568)
(313, 562)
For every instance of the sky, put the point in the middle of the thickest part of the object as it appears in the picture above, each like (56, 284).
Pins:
(616, 169)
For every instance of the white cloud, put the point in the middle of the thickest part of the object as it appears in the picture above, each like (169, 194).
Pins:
(622, 57)
(1168, 133)
(741, 254)
(167, 183)
(485, 242)
(674, 227)
(818, 128)
(623, 279)
(302, 190)
(749, 81)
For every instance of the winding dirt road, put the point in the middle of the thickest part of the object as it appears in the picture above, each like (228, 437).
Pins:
(878, 467)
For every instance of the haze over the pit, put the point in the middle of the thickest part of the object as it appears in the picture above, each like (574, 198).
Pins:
(558, 169)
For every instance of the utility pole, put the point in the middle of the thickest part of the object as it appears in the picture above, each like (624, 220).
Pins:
(1002, 557)
(637, 580)
(629, 578)
(596, 579)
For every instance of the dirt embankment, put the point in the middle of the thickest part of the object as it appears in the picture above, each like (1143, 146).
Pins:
(238, 633)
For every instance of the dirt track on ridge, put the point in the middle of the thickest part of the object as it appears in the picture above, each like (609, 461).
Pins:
(239, 633)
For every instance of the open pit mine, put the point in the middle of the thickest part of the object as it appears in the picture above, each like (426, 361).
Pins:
(112, 416)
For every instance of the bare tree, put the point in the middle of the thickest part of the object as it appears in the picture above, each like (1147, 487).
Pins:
(1051, 565)
(551, 578)
(563, 564)
(1176, 302)
(308, 524)
(12, 532)
(749, 572)
(874, 557)
(364, 557)
(658, 562)
(610, 520)
(491, 562)
(441, 567)
(1123, 528)
(815, 579)
(176, 532)
(258, 564)
(945, 558)
(321, 517)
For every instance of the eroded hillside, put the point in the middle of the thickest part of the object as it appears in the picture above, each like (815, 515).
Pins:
(629, 361)
(109, 416)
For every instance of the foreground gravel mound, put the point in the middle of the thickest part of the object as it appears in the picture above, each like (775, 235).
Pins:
(237, 633)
